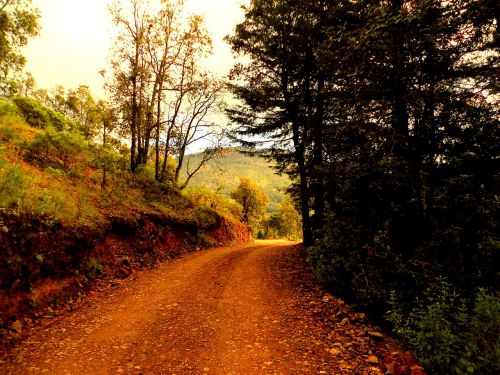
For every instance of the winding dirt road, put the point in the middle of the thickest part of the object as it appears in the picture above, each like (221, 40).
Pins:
(251, 309)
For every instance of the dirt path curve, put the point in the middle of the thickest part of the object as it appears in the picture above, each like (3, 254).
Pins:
(240, 310)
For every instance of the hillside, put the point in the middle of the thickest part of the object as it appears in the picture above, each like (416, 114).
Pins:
(61, 231)
(225, 171)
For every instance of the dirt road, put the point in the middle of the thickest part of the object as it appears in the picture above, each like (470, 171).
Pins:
(244, 310)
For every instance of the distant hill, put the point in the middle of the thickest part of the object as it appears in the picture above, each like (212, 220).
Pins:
(224, 173)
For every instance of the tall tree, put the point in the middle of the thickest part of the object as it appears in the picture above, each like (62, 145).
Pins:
(281, 90)
(416, 134)
(18, 22)
(164, 97)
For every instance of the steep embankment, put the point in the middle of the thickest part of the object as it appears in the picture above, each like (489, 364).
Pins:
(45, 267)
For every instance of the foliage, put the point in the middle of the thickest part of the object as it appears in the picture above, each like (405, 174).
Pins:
(285, 223)
(18, 22)
(252, 199)
(104, 156)
(7, 108)
(290, 220)
(449, 334)
(385, 114)
(156, 49)
(94, 267)
(58, 149)
(205, 197)
(223, 174)
(13, 184)
(10, 121)
(40, 116)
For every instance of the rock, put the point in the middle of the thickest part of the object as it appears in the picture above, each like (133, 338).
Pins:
(123, 272)
(372, 360)
(335, 351)
(390, 368)
(375, 335)
(17, 327)
(361, 317)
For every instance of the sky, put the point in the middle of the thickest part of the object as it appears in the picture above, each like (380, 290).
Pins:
(75, 40)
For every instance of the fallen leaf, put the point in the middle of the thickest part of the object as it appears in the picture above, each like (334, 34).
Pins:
(375, 335)
(373, 360)
(17, 326)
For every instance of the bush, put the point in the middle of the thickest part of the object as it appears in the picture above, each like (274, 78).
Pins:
(202, 196)
(53, 203)
(34, 113)
(12, 185)
(57, 149)
(39, 116)
(448, 334)
(106, 157)
(6, 134)
(94, 267)
(8, 109)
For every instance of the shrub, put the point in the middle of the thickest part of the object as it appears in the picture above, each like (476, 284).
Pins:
(202, 196)
(12, 185)
(57, 149)
(8, 109)
(34, 113)
(94, 267)
(10, 120)
(448, 334)
(52, 202)
(42, 117)
(6, 133)
(105, 157)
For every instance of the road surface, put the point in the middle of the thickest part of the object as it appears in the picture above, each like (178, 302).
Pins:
(250, 309)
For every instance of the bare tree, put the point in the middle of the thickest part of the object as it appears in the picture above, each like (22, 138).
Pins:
(164, 97)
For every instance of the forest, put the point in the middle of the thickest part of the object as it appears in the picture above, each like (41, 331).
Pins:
(382, 114)
(386, 116)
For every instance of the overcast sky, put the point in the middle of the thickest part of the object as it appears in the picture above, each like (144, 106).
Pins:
(74, 42)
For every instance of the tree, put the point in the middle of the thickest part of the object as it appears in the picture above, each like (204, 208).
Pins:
(18, 22)
(252, 199)
(290, 222)
(412, 158)
(394, 106)
(282, 93)
(107, 157)
(162, 95)
(83, 108)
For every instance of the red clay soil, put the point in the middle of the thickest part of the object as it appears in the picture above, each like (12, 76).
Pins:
(251, 309)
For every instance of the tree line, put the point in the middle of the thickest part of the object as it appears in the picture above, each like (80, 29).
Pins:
(164, 98)
(386, 115)
(162, 101)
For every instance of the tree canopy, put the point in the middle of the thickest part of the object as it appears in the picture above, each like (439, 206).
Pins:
(18, 22)
(252, 199)
(386, 115)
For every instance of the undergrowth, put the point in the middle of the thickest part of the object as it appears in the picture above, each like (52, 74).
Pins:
(449, 334)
